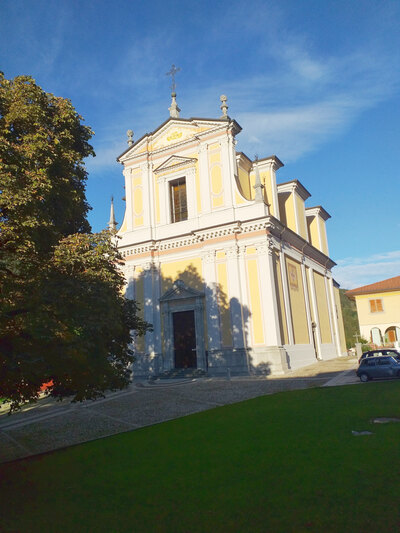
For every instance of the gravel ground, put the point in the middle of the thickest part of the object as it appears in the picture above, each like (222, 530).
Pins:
(49, 425)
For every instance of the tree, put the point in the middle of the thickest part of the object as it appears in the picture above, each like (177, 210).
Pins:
(63, 318)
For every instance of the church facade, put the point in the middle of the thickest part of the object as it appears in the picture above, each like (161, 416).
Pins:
(230, 267)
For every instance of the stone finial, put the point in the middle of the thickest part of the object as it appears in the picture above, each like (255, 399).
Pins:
(258, 187)
(112, 223)
(129, 133)
(174, 109)
(224, 106)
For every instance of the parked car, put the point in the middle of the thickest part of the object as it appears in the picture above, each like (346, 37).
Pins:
(379, 353)
(378, 367)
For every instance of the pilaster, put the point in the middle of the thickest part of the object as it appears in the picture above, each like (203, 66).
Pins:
(333, 313)
(306, 299)
(286, 298)
(211, 301)
(234, 297)
(313, 295)
(268, 295)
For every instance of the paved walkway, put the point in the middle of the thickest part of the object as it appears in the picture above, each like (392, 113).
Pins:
(48, 425)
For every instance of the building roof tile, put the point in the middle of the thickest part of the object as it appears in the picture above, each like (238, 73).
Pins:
(391, 284)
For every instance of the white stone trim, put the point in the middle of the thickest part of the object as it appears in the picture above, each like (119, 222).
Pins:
(234, 296)
(269, 305)
(286, 297)
(315, 312)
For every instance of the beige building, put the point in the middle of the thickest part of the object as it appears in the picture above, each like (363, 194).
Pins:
(378, 310)
(230, 267)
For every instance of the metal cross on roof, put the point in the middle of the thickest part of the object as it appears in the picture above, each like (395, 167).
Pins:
(172, 73)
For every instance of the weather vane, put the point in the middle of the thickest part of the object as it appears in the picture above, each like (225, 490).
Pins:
(172, 73)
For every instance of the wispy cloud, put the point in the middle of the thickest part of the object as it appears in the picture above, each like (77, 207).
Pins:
(352, 272)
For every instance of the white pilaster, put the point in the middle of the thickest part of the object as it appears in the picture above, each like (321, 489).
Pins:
(148, 310)
(307, 300)
(148, 197)
(226, 172)
(244, 297)
(274, 190)
(333, 313)
(128, 198)
(191, 192)
(315, 311)
(156, 308)
(268, 295)
(211, 301)
(286, 297)
(234, 297)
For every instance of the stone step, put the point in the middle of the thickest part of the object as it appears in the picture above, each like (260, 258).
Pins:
(179, 373)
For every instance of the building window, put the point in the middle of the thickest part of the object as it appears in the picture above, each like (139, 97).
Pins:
(375, 306)
(178, 200)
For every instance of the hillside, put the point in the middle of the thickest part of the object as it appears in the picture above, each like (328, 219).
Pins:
(350, 319)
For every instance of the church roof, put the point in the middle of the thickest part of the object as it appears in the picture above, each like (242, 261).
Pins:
(390, 284)
(183, 120)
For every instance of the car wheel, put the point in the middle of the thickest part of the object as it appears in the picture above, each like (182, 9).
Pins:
(364, 377)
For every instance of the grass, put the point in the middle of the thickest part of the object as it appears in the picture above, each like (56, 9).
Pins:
(281, 463)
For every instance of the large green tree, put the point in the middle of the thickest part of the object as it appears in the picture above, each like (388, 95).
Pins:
(62, 314)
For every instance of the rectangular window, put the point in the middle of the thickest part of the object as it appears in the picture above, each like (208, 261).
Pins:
(375, 306)
(178, 200)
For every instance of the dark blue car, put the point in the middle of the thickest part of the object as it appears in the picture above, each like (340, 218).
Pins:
(378, 367)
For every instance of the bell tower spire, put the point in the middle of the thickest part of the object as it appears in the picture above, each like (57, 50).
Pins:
(112, 223)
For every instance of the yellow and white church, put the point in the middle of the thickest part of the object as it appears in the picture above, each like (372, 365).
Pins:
(230, 267)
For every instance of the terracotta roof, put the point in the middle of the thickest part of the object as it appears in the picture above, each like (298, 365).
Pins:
(391, 284)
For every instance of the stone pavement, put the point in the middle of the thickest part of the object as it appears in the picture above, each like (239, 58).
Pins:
(49, 425)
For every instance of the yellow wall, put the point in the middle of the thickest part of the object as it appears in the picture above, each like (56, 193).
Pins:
(215, 173)
(324, 241)
(255, 301)
(189, 270)
(322, 305)
(391, 308)
(302, 230)
(338, 306)
(297, 303)
(244, 182)
(223, 303)
(312, 223)
(289, 213)
(281, 302)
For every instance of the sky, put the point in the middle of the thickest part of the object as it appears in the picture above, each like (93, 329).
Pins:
(315, 82)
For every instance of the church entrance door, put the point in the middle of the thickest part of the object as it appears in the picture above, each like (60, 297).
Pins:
(184, 339)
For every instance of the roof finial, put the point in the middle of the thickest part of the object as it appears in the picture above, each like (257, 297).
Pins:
(112, 224)
(224, 107)
(174, 109)
(129, 133)
(258, 187)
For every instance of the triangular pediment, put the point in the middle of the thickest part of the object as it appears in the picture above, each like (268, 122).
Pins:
(173, 132)
(175, 161)
(180, 291)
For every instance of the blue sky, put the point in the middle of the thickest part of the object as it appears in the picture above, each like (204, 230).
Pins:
(315, 82)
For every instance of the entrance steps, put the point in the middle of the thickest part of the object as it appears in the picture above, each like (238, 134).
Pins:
(180, 373)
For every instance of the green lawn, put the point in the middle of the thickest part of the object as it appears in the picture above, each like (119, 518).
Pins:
(286, 462)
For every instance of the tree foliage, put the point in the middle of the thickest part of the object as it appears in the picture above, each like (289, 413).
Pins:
(63, 317)
(350, 318)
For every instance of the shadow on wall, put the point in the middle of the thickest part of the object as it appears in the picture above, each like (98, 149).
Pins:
(222, 325)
